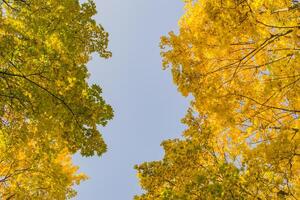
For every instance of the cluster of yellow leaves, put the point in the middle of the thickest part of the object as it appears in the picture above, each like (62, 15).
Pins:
(239, 60)
(47, 109)
(28, 172)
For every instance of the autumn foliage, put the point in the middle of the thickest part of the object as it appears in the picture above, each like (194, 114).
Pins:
(48, 111)
(239, 60)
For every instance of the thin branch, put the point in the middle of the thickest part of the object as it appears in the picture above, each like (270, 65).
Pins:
(44, 89)
(273, 26)
(268, 106)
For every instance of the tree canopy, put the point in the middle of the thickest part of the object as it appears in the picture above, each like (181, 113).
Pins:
(239, 60)
(48, 111)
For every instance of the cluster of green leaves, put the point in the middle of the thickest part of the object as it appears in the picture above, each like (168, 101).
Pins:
(239, 59)
(47, 109)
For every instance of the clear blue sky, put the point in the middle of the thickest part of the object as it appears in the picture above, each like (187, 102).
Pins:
(147, 106)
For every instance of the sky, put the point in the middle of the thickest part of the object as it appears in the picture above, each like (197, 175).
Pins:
(147, 106)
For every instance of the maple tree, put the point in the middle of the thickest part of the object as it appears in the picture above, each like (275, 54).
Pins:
(47, 109)
(239, 60)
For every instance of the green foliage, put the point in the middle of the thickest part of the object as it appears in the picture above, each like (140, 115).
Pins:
(47, 108)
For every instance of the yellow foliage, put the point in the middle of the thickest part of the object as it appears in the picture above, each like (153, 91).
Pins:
(240, 62)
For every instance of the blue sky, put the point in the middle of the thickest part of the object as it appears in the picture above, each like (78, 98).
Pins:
(147, 106)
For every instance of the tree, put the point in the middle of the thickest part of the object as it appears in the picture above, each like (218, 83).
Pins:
(239, 60)
(47, 109)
